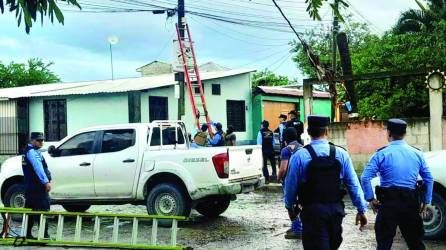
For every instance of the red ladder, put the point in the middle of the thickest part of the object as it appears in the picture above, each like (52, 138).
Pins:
(193, 81)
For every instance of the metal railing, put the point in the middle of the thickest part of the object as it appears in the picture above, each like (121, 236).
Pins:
(95, 240)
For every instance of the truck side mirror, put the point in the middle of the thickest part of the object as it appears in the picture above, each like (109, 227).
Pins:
(52, 150)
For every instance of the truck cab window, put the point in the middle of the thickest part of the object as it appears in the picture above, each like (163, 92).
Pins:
(169, 137)
(117, 140)
(81, 144)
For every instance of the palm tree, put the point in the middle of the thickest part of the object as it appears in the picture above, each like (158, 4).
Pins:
(415, 20)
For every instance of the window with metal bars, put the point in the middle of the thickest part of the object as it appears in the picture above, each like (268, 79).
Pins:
(55, 119)
(235, 115)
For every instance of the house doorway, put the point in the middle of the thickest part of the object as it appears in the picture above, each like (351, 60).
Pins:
(272, 110)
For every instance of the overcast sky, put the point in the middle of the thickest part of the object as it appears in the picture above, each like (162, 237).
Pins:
(80, 49)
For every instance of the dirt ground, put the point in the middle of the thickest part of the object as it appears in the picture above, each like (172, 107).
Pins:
(253, 221)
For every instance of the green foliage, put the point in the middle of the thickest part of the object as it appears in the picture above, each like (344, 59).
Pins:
(425, 18)
(396, 97)
(315, 5)
(28, 10)
(268, 78)
(33, 73)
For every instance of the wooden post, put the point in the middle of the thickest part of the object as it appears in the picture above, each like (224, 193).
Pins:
(308, 107)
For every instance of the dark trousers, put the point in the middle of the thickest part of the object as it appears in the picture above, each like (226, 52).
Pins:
(322, 228)
(405, 215)
(36, 202)
(272, 160)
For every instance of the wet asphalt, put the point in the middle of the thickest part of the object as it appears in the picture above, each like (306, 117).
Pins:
(254, 221)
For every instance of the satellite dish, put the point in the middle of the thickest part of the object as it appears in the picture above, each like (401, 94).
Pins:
(113, 40)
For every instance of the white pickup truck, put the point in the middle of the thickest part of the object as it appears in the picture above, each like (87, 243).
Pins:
(151, 164)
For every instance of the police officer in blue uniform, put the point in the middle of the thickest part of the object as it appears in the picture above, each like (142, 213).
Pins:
(265, 137)
(398, 166)
(283, 122)
(314, 182)
(37, 180)
(295, 122)
(218, 140)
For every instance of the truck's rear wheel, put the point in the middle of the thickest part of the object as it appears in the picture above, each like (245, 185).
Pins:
(76, 208)
(435, 223)
(214, 207)
(169, 200)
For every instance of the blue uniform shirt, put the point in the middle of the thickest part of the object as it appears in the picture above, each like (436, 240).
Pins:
(214, 141)
(282, 126)
(297, 174)
(36, 158)
(397, 165)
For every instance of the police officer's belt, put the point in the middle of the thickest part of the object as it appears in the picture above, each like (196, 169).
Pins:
(395, 194)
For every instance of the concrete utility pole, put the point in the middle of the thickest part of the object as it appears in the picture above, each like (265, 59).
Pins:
(435, 82)
(180, 78)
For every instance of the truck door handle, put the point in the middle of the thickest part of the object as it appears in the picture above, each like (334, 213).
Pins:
(128, 160)
(84, 164)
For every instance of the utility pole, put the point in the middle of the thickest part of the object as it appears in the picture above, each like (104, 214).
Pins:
(333, 62)
(334, 34)
(180, 75)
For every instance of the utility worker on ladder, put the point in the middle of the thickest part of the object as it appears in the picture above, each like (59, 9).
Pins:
(37, 180)
(218, 140)
(201, 138)
(397, 198)
(314, 182)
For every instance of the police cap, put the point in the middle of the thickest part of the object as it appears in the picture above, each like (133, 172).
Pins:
(318, 121)
(283, 116)
(396, 126)
(218, 126)
(293, 112)
(37, 136)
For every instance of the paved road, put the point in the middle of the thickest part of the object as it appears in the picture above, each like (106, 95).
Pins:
(254, 221)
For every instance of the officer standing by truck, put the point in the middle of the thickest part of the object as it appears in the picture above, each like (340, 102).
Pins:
(314, 182)
(397, 201)
(37, 180)
(265, 137)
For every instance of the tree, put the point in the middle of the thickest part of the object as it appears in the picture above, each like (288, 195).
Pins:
(28, 10)
(32, 73)
(315, 5)
(403, 97)
(424, 18)
(268, 78)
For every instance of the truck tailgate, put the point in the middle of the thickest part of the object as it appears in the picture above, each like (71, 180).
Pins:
(244, 162)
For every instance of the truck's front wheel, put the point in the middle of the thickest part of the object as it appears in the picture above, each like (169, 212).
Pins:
(214, 207)
(15, 196)
(169, 200)
(435, 223)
